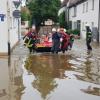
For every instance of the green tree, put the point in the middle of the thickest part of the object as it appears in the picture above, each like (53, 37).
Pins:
(41, 10)
(25, 15)
(62, 21)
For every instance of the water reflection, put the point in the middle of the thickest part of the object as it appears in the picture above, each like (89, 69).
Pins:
(92, 90)
(90, 70)
(11, 83)
(45, 69)
(3, 92)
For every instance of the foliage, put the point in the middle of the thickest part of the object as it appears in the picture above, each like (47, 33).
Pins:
(75, 31)
(41, 10)
(24, 16)
(62, 21)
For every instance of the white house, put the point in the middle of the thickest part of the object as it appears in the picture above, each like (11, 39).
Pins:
(9, 26)
(82, 12)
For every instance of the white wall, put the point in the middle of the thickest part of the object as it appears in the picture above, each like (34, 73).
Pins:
(91, 16)
(3, 27)
(10, 23)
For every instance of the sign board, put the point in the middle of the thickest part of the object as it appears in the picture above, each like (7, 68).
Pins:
(16, 4)
(16, 13)
(2, 17)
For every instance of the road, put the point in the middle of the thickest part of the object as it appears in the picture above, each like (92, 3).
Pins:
(74, 75)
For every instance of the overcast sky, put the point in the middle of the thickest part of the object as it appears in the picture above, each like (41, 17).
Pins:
(23, 2)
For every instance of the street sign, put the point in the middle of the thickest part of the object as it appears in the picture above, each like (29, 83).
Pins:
(16, 4)
(2, 17)
(17, 13)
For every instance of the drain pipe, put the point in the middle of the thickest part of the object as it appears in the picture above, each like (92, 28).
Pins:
(98, 40)
(8, 21)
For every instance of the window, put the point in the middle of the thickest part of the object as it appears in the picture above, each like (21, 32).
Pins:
(83, 26)
(75, 11)
(83, 7)
(92, 24)
(92, 4)
(86, 6)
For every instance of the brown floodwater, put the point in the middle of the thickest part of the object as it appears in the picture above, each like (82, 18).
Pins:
(46, 76)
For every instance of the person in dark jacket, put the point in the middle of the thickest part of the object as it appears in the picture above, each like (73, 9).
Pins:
(30, 40)
(56, 41)
(88, 38)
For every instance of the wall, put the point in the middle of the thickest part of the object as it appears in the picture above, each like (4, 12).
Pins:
(9, 30)
(91, 16)
(3, 27)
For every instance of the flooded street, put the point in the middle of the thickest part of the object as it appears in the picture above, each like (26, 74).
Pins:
(45, 76)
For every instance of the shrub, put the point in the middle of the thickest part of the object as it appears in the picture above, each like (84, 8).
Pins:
(75, 32)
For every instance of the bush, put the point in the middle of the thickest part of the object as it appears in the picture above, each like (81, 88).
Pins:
(75, 32)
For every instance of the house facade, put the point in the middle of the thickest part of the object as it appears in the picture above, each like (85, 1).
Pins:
(9, 26)
(82, 12)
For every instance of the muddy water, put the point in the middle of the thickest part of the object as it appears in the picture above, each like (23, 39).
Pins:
(50, 77)
(61, 77)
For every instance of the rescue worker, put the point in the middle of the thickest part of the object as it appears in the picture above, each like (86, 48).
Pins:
(65, 40)
(88, 38)
(55, 41)
(30, 40)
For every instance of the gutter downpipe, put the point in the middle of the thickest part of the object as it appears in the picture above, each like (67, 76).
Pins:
(98, 39)
(8, 18)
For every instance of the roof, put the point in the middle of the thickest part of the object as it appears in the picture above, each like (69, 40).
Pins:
(64, 3)
(75, 2)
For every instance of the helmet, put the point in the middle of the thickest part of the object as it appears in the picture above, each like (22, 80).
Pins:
(64, 30)
(53, 29)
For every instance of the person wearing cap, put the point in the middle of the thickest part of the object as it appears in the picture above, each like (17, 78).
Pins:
(88, 38)
(55, 41)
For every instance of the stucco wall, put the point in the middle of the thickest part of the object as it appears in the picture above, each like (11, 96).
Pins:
(91, 16)
(3, 27)
(10, 23)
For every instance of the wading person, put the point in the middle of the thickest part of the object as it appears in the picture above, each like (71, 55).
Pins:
(30, 37)
(88, 38)
(55, 41)
(65, 40)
